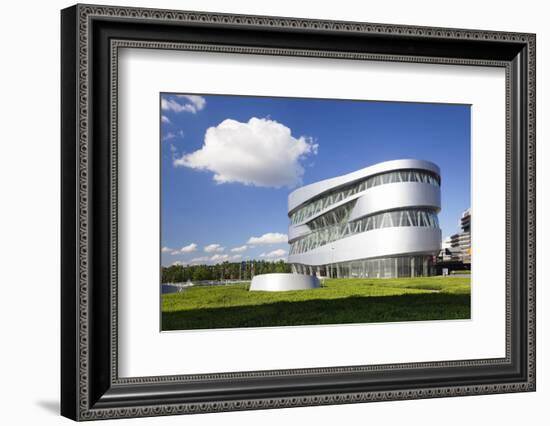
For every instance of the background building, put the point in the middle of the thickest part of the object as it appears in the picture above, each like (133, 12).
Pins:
(449, 253)
(457, 248)
(380, 221)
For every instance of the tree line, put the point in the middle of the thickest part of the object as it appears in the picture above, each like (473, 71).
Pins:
(221, 271)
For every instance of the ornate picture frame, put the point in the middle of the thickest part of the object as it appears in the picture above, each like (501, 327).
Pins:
(91, 37)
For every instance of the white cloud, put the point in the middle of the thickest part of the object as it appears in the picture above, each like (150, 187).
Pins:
(239, 249)
(186, 249)
(198, 101)
(275, 254)
(217, 258)
(224, 257)
(261, 152)
(173, 135)
(178, 263)
(189, 103)
(213, 248)
(164, 119)
(269, 238)
(169, 136)
(189, 248)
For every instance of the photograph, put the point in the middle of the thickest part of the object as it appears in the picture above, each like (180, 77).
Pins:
(281, 211)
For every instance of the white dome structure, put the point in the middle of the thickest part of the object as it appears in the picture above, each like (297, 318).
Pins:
(284, 282)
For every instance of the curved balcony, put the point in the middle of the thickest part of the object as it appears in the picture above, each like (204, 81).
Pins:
(305, 194)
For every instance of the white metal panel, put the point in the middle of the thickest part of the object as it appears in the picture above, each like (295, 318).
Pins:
(392, 196)
(382, 242)
(297, 231)
(307, 192)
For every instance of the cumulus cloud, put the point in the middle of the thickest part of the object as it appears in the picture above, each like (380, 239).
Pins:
(184, 103)
(261, 152)
(269, 238)
(213, 248)
(198, 101)
(239, 249)
(224, 257)
(217, 258)
(184, 250)
(164, 119)
(178, 263)
(189, 248)
(275, 254)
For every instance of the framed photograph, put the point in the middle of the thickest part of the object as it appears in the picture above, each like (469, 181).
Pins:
(263, 212)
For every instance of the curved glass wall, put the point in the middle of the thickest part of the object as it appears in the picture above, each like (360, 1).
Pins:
(395, 218)
(332, 217)
(384, 267)
(315, 206)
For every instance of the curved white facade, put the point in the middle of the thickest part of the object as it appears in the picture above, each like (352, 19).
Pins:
(380, 221)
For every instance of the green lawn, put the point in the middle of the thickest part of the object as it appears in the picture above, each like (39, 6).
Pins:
(339, 301)
(461, 272)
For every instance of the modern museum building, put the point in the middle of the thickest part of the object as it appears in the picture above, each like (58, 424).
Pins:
(377, 222)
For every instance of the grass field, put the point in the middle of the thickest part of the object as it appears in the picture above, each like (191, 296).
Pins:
(339, 301)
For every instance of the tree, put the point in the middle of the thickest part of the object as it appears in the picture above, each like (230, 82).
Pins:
(221, 271)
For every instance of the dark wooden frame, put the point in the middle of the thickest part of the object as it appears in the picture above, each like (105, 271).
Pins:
(90, 386)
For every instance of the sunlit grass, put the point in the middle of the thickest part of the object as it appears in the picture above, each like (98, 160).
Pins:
(338, 301)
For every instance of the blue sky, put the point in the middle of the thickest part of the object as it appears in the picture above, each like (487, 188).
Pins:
(229, 162)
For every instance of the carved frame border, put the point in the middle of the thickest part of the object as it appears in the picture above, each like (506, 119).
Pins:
(85, 13)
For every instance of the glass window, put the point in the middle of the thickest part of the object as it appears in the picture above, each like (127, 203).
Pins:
(326, 200)
(334, 226)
